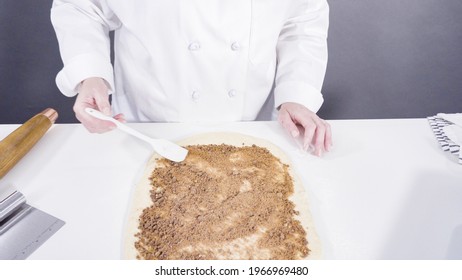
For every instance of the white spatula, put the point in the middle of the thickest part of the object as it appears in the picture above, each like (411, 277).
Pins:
(163, 147)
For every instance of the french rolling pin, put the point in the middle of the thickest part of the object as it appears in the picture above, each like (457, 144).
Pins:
(19, 142)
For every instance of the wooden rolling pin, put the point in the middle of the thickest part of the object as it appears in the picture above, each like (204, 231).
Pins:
(20, 141)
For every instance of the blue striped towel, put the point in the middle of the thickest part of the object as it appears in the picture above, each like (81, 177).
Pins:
(445, 132)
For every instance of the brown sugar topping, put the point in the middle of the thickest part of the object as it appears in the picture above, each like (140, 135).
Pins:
(221, 202)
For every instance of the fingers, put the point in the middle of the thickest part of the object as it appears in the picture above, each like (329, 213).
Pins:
(318, 138)
(102, 103)
(120, 118)
(328, 139)
(93, 93)
(92, 124)
(314, 133)
(317, 132)
(287, 123)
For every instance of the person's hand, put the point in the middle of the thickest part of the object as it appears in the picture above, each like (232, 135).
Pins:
(297, 119)
(93, 93)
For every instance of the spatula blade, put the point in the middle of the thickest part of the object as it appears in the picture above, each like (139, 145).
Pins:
(170, 150)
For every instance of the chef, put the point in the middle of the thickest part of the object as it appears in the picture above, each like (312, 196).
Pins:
(196, 61)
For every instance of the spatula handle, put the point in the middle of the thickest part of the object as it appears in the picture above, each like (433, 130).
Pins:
(97, 114)
(20, 141)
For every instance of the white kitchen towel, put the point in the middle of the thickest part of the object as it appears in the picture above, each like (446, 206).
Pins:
(448, 133)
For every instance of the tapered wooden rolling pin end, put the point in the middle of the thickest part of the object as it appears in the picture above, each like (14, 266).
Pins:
(51, 114)
(16, 145)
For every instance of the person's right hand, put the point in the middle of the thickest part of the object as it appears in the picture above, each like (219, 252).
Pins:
(93, 93)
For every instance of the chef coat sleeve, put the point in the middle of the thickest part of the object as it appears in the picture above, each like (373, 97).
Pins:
(82, 28)
(302, 56)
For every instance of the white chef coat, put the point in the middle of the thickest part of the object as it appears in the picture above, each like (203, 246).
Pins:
(195, 60)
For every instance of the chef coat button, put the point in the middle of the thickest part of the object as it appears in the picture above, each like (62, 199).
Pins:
(232, 93)
(235, 46)
(195, 95)
(194, 46)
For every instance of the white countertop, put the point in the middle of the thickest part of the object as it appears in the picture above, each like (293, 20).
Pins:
(385, 191)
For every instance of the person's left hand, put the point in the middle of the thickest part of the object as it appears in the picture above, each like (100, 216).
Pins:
(317, 132)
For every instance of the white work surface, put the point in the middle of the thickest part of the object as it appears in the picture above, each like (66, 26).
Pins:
(385, 191)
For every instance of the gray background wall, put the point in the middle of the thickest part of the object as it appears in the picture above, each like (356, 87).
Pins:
(394, 59)
(29, 61)
(387, 59)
